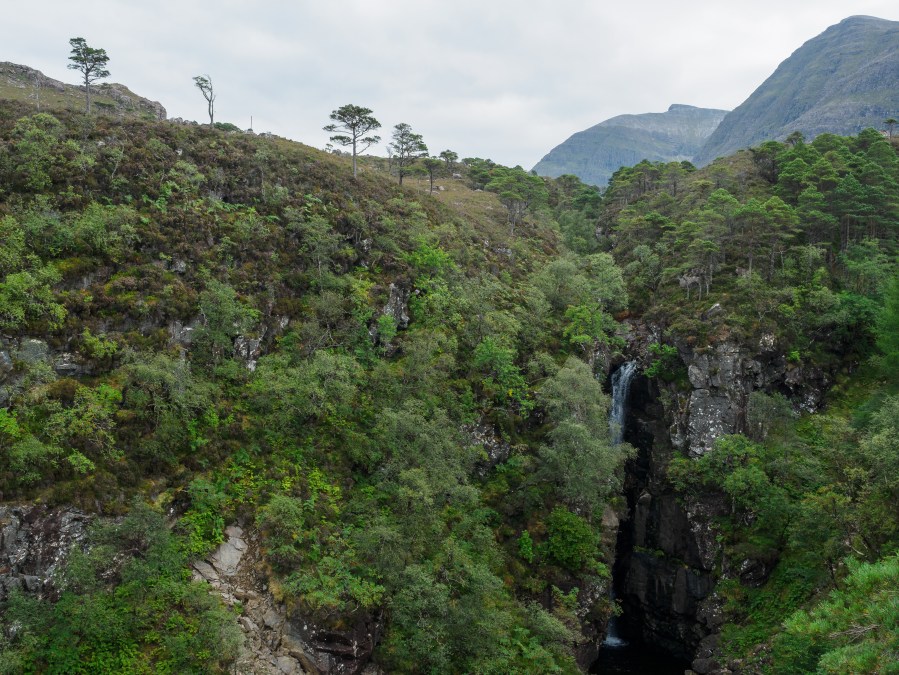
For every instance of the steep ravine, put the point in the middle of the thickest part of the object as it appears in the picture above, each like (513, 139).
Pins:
(668, 554)
(663, 573)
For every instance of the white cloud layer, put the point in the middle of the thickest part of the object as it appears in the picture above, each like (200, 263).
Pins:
(505, 79)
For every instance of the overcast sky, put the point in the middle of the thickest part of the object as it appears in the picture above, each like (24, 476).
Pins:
(504, 79)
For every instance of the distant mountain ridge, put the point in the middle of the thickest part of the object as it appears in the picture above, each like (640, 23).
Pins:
(596, 153)
(22, 83)
(840, 82)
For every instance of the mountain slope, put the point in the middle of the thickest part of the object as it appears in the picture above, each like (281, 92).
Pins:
(22, 83)
(839, 82)
(594, 154)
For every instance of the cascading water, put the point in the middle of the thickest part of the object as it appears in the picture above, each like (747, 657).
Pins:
(621, 384)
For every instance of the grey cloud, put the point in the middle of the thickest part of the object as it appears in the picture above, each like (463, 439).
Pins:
(498, 78)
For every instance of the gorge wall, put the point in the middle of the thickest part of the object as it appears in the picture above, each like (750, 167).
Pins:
(669, 555)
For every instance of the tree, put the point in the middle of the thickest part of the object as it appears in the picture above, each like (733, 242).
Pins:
(204, 84)
(450, 158)
(90, 62)
(890, 122)
(407, 146)
(353, 123)
(518, 191)
(432, 165)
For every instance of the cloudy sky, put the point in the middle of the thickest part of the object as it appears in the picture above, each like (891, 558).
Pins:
(504, 79)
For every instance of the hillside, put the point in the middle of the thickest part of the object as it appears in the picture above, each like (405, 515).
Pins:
(840, 82)
(21, 83)
(259, 416)
(594, 154)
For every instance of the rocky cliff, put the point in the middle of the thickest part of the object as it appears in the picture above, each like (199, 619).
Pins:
(595, 154)
(670, 554)
(840, 82)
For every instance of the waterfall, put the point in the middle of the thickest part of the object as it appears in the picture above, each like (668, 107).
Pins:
(621, 385)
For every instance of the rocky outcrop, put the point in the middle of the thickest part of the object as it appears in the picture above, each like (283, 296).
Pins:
(24, 83)
(722, 378)
(670, 556)
(664, 574)
(34, 542)
(397, 307)
(279, 641)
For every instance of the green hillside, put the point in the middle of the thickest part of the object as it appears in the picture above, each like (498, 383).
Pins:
(394, 399)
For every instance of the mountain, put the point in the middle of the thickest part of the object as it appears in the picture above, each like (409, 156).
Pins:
(594, 154)
(22, 83)
(839, 82)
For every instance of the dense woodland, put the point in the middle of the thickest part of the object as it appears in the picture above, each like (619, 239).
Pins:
(350, 442)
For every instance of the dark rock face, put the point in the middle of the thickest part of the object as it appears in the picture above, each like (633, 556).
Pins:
(34, 542)
(840, 82)
(342, 652)
(664, 575)
(595, 154)
(669, 554)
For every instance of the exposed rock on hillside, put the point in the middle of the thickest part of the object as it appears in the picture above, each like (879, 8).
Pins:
(34, 542)
(840, 82)
(595, 154)
(21, 83)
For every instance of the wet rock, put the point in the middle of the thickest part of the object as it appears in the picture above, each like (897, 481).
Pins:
(343, 651)
(705, 666)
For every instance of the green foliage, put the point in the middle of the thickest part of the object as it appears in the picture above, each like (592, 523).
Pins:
(888, 329)
(579, 458)
(518, 190)
(854, 630)
(526, 547)
(570, 540)
(503, 380)
(27, 296)
(36, 142)
(667, 366)
(203, 524)
(224, 318)
(127, 605)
